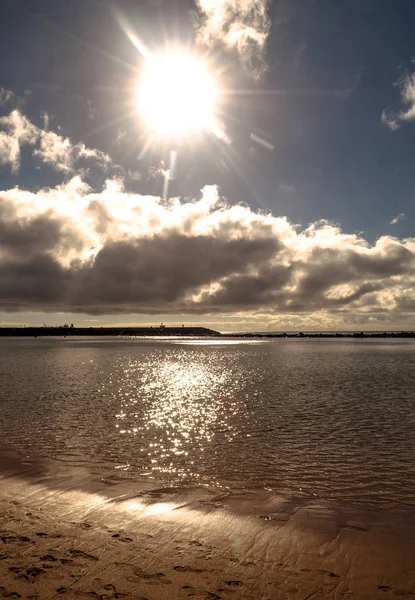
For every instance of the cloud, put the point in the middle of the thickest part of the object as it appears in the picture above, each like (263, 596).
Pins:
(408, 97)
(62, 154)
(394, 120)
(241, 25)
(71, 249)
(6, 96)
(17, 131)
(50, 148)
(398, 218)
(55, 150)
(390, 120)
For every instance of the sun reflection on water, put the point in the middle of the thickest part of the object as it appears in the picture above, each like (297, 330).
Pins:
(174, 408)
(150, 509)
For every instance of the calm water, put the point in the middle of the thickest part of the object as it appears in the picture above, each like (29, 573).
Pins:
(333, 419)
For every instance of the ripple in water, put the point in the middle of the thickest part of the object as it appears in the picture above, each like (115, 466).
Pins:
(327, 418)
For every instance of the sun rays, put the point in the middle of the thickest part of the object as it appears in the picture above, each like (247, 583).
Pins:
(177, 95)
(181, 100)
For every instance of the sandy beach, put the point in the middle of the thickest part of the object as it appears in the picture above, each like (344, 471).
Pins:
(57, 543)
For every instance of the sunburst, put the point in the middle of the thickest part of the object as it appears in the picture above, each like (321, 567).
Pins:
(177, 95)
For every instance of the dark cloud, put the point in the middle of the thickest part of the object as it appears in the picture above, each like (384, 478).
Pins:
(162, 270)
(69, 249)
(252, 290)
(22, 239)
(39, 283)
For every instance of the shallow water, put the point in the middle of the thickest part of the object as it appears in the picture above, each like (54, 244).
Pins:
(325, 419)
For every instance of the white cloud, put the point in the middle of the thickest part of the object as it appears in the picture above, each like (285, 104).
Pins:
(70, 249)
(55, 150)
(18, 131)
(242, 25)
(9, 151)
(408, 97)
(48, 147)
(394, 120)
(398, 218)
(81, 151)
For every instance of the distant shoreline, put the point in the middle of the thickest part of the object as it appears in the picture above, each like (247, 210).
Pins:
(106, 331)
(63, 331)
(302, 335)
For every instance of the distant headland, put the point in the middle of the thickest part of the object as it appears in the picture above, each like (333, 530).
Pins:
(70, 330)
(162, 331)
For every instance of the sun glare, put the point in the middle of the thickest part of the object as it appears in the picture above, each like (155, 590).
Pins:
(177, 95)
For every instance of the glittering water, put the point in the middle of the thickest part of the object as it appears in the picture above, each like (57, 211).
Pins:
(328, 418)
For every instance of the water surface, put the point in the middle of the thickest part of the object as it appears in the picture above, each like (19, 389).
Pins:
(325, 419)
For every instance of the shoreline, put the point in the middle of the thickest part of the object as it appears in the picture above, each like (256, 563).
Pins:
(68, 544)
(189, 332)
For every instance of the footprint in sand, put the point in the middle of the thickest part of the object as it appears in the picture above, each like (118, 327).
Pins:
(112, 595)
(109, 588)
(29, 575)
(48, 558)
(182, 569)
(151, 577)
(32, 517)
(82, 554)
(34, 573)
(384, 588)
(120, 538)
(329, 573)
(12, 595)
(10, 537)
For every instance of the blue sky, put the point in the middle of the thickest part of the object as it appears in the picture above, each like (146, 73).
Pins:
(329, 91)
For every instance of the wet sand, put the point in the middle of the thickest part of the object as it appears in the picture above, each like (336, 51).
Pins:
(65, 544)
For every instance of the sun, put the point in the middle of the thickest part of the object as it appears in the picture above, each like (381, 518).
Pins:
(177, 95)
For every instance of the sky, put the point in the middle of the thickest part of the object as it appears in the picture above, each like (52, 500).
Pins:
(297, 214)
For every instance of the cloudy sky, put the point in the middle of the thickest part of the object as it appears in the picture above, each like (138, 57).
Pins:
(300, 215)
